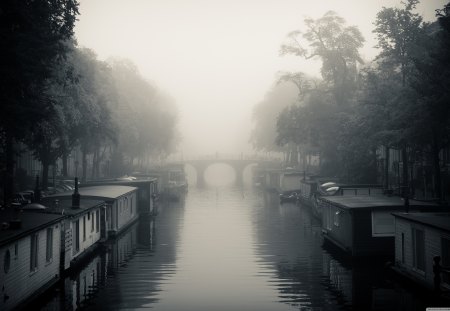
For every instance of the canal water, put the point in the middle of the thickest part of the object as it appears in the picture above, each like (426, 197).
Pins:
(226, 248)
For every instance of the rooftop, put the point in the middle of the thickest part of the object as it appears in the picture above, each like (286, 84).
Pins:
(118, 182)
(64, 206)
(103, 192)
(436, 220)
(30, 222)
(372, 201)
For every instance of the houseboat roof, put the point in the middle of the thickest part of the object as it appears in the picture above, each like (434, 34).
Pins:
(436, 220)
(371, 201)
(103, 192)
(64, 205)
(30, 222)
(118, 182)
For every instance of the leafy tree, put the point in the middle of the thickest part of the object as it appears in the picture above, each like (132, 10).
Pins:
(336, 45)
(32, 35)
(398, 30)
(430, 82)
(264, 132)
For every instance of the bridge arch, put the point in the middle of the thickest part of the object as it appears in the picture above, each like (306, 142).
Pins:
(239, 166)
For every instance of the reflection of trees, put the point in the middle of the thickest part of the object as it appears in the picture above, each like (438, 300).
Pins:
(290, 241)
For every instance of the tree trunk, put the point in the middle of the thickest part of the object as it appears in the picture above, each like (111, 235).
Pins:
(405, 173)
(84, 165)
(386, 167)
(436, 166)
(64, 165)
(94, 166)
(9, 173)
(45, 166)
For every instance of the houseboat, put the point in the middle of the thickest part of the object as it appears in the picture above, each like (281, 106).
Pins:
(364, 225)
(120, 201)
(313, 188)
(419, 238)
(29, 254)
(147, 192)
(81, 229)
(172, 182)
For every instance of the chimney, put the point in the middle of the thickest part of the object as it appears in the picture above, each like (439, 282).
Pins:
(76, 196)
(37, 191)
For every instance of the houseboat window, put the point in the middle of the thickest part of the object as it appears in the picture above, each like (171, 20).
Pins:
(16, 250)
(403, 247)
(34, 247)
(49, 251)
(418, 240)
(329, 217)
(383, 223)
(84, 228)
(97, 220)
(77, 236)
(336, 218)
(92, 222)
(445, 256)
(7, 261)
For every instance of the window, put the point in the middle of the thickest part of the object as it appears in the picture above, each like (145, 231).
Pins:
(34, 247)
(7, 261)
(418, 240)
(445, 258)
(76, 234)
(336, 218)
(97, 220)
(92, 222)
(49, 250)
(131, 205)
(84, 228)
(383, 223)
(403, 247)
(328, 216)
(16, 250)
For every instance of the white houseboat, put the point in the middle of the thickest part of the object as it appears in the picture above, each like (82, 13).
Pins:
(419, 238)
(29, 256)
(364, 225)
(121, 205)
(81, 228)
(147, 192)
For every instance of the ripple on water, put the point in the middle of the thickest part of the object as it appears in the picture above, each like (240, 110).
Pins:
(226, 249)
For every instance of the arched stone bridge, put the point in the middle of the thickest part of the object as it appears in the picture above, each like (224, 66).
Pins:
(238, 163)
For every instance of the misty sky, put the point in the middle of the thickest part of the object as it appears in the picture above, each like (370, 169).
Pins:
(216, 58)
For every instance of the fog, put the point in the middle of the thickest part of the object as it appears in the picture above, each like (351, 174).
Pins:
(217, 59)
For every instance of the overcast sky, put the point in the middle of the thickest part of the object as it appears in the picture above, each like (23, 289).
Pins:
(216, 58)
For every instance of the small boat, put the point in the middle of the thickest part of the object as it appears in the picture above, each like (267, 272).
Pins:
(289, 196)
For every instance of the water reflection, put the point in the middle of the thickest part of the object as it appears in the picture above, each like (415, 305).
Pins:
(230, 249)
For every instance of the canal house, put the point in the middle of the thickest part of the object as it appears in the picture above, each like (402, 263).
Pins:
(419, 237)
(121, 205)
(29, 255)
(147, 192)
(364, 225)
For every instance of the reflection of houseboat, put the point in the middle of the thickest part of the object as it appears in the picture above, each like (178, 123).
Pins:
(363, 225)
(147, 191)
(121, 203)
(419, 237)
(30, 256)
